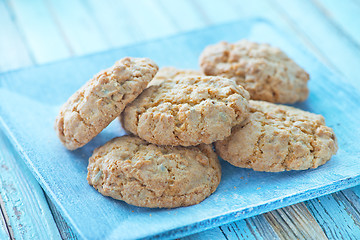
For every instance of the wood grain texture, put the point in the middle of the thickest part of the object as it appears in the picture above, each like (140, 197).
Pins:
(333, 44)
(356, 195)
(29, 216)
(45, 39)
(294, 222)
(216, 12)
(4, 229)
(175, 12)
(113, 20)
(336, 216)
(14, 53)
(78, 26)
(344, 15)
(149, 19)
(64, 229)
(257, 228)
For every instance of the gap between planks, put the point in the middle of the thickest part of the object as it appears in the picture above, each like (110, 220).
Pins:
(5, 221)
(64, 229)
(295, 222)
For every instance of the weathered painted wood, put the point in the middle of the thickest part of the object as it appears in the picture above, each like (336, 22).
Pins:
(332, 215)
(333, 44)
(353, 198)
(14, 53)
(295, 222)
(252, 228)
(148, 19)
(44, 38)
(4, 231)
(215, 12)
(351, 204)
(78, 26)
(113, 21)
(23, 199)
(182, 14)
(356, 191)
(64, 229)
(215, 233)
(344, 15)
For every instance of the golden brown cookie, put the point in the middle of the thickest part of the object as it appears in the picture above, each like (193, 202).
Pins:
(101, 100)
(167, 73)
(277, 138)
(146, 175)
(266, 72)
(187, 110)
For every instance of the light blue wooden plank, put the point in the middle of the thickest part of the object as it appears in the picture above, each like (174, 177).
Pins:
(351, 204)
(345, 14)
(216, 11)
(331, 214)
(295, 222)
(113, 20)
(353, 196)
(244, 229)
(65, 231)
(336, 47)
(260, 228)
(13, 51)
(148, 19)
(356, 190)
(78, 26)
(43, 36)
(23, 199)
(183, 14)
(215, 233)
(4, 233)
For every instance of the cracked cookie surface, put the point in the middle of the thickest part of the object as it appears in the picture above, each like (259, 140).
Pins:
(187, 110)
(278, 138)
(89, 110)
(265, 71)
(146, 175)
(167, 73)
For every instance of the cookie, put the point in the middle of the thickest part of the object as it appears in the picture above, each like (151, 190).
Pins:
(278, 138)
(187, 110)
(101, 100)
(167, 73)
(146, 175)
(266, 72)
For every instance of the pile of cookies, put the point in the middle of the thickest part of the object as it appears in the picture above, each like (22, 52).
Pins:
(173, 116)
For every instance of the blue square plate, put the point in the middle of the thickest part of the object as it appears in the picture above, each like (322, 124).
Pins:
(30, 100)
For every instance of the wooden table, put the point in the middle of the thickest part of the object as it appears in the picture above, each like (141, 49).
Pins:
(41, 31)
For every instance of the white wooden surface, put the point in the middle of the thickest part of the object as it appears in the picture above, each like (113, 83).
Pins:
(41, 31)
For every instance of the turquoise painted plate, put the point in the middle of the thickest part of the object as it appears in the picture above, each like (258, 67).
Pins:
(30, 100)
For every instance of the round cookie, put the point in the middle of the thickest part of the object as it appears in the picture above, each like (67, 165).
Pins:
(167, 73)
(89, 110)
(277, 138)
(146, 175)
(266, 72)
(187, 111)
